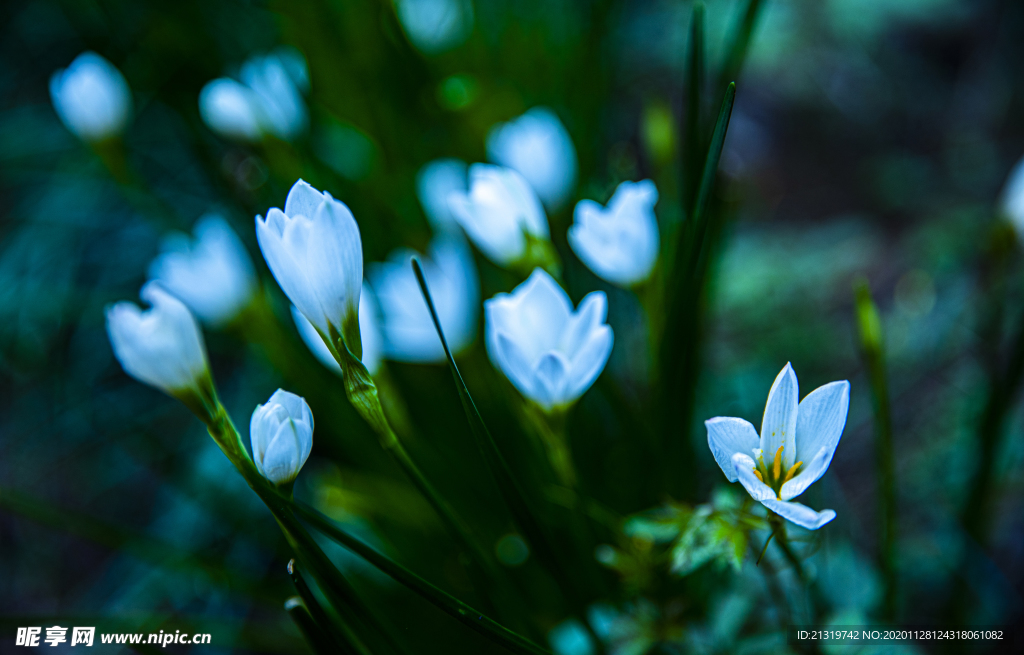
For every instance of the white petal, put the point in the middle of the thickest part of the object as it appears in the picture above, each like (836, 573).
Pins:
(779, 424)
(283, 246)
(821, 418)
(434, 183)
(588, 317)
(315, 342)
(91, 97)
(231, 109)
(802, 515)
(728, 436)
(303, 200)
(510, 360)
(550, 377)
(588, 362)
(281, 461)
(336, 261)
(538, 146)
(744, 467)
(809, 473)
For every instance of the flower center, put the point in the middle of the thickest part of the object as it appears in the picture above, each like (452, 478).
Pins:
(772, 474)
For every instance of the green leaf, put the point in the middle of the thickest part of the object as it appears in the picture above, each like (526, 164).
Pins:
(692, 147)
(441, 599)
(740, 46)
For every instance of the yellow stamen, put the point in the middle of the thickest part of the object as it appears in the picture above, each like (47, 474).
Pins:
(777, 464)
(758, 474)
(791, 472)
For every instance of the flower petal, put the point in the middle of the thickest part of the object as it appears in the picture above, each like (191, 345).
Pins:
(802, 515)
(744, 466)
(809, 474)
(509, 358)
(302, 200)
(335, 261)
(550, 378)
(728, 436)
(588, 361)
(779, 424)
(821, 419)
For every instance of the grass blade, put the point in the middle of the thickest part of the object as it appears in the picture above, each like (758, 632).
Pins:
(507, 484)
(439, 598)
(692, 140)
(324, 634)
(316, 637)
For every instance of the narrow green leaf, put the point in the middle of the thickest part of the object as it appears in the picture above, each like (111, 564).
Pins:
(441, 599)
(324, 633)
(315, 636)
(692, 141)
(499, 469)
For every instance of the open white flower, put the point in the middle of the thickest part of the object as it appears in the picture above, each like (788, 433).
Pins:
(281, 433)
(618, 243)
(499, 212)
(212, 274)
(91, 97)
(795, 447)
(409, 334)
(434, 183)
(267, 100)
(549, 352)
(538, 146)
(369, 330)
(314, 251)
(1012, 202)
(161, 346)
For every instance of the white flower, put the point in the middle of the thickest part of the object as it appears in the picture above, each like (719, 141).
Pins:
(91, 97)
(231, 109)
(161, 346)
(436, 25)
(313, 250)
(281, 433)
(1013, 197)
(369, 329)
(409, 334)
(550, 353)
(268, 100)
(794, 449)
(498, 213)
(620, 243)
(212, 274)
(537, 145)
(434, 183)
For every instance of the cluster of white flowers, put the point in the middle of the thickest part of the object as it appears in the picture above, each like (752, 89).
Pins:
(266, 99)
(549, 351)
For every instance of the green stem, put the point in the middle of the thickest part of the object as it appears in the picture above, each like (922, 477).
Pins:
(872, 351)
(441, 599)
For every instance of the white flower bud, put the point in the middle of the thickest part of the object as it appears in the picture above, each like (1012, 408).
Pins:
(436, 25)
(369, 330)
(268, 100)
(409, 333)
(537, 145)
(618, 243)
(498, 213)
(549, 352)
(161, 346)
(231, 109)
(212, 274)
(91, 97)
(281, 433)
(314, 251)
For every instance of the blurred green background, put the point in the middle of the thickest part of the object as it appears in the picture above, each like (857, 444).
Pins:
(869, 138)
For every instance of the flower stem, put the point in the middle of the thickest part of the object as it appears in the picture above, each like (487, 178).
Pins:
(872, 351)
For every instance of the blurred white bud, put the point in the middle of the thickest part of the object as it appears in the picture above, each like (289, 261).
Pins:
(281, 433)
(91, 97)
(436, 25)
(314, 251)
(212, 274)
(538, 146)
(618, 243)
(231, 109)
(498, 212)
(1012, 204)
(549, 352)
(369, 330)
(161, 346)
(434, 183)
(409, 334)
(268, 100)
